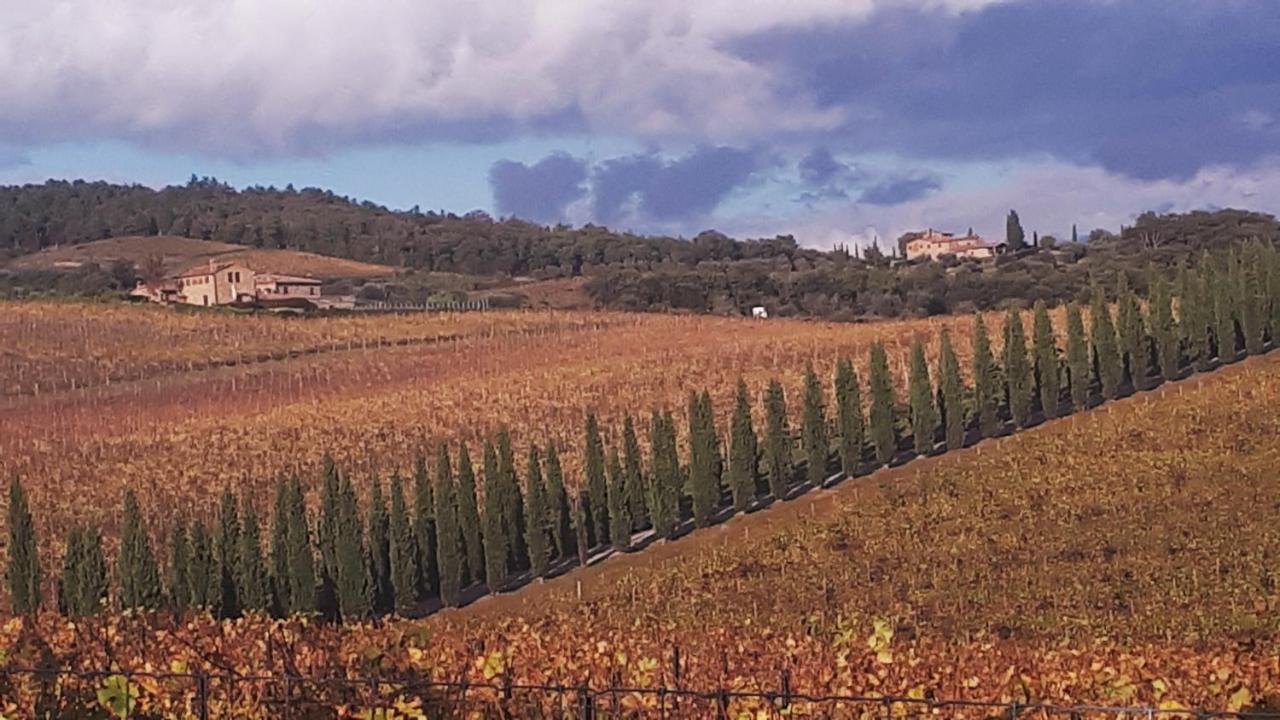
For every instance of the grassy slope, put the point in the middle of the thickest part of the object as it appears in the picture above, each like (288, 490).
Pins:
(1152, 517)
(179, 253)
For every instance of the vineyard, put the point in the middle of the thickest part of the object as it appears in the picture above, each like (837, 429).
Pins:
(663, 477)
(1121, 557)
(182, 438)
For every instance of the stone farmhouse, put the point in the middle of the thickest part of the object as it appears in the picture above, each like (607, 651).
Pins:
(227, 283)
(934, 244)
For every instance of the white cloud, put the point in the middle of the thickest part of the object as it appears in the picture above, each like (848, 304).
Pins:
(1049, 196)
(243, 77)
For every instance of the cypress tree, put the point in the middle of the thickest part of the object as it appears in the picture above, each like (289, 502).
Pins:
(813, 428)
(665, 480)
(281, 602)
(226, 549)
(496, 543)
(924, 416)
(743, 452)
(327, 537)
(1078, 375)
(448, 537)
(704, 485)
(986, 398)
(513, 508)
(352, 580)
(1224, 323)
(24, 561)
(139, 576)
(535, 517)
(302, 563)
(82, 585)
(880, 415)
(950, 392)
(1164, 329)
(469, 517)
(424, 526)
(1195, 311)
(849, 417)
(1272, 294)
(593, 466)
(252, 580)
(201, 577)
(619, 519)
(1132, 334)
(1048, 378)
(403, 550)
(382, 596)
(634, 475)
(1252, 302)
(1106, 353)
(179, 580)
(1017, 369)
(777, 441)
(560, 513)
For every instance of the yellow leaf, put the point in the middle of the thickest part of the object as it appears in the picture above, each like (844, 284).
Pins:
(1239, 699)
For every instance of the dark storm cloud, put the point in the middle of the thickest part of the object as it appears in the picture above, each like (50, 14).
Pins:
(894, 191)
(538, 192)
(1148, 89)
(670, 190)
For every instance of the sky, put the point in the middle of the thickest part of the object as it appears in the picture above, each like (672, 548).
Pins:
(836, 121)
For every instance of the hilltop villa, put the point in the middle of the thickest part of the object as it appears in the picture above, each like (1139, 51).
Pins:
(934, 244)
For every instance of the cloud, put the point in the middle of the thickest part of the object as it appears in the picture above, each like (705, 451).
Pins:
(281, 77)
(538, 192)
(820, 167)
(897, 190)
(649, 187)
(1049, 196)
(1148, 89)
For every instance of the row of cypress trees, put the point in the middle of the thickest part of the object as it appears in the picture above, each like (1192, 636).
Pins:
(452, 531)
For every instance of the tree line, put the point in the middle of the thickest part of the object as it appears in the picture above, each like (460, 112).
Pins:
(452, 530)
(709, 272)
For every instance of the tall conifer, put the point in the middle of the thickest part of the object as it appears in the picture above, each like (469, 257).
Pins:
(403, 550)
(178, 580)
(352, 579)
(138, 574)
(986, 395)
(278, 550)
(226, 548)
(1078, 375)
(302, 563)
(513, 506)
(1106, 352)
(496, 542)
(704, 484)
(619, 518)
(1048, 374)
(634, 475)
(1223, 299)
(1017, 369)
(743, 452)
(880, 415)
(1164, 329)
(202, 576)
(378, 538)
(924, 416)
(1131, 332)
(448, 537)
(82, 585)
(593, 466)
(252, 580)
(1252, 303)
(469, 517)
(950, 392)
(560, 514)
(777, 441)
(665, 480)
(849, 416)
(813, 428)
(535, 516)
(24, 561)
(424, 526)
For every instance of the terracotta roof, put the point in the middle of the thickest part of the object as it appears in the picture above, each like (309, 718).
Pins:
(264, 278)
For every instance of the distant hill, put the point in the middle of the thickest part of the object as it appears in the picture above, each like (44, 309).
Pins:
(443, 253)
(178, 253)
